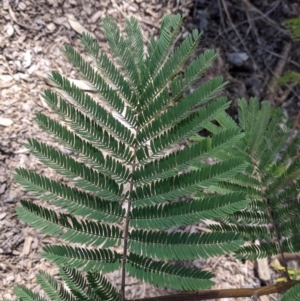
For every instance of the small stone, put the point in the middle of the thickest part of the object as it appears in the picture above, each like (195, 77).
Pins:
(2, 188)
(5, 121)
(9, 30)
(96, 16)
(22, 6)
(7, 296)
(37, 49)
(10, 277)
(60, 20)
(5, 4)
(2, 215)
(237, 58)
(27, 58)
(51, 27)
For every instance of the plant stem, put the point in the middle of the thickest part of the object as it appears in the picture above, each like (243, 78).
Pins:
(225, 293)
(127, 221)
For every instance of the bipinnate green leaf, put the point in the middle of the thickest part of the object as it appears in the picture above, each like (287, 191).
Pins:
(185, 213)
(182, 245)
(167, 275)
(88, 154)
(25, 294)
(185, 184)
(68, 228)
(77, 284)
(102, 287)
(88, 178)
(292, 294)
(51, 287)
(93, 260)
(99, 131)
(71, 199)
(136, 140)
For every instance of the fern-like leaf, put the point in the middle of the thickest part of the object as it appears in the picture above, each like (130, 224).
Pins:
(172, 276)
(120, 138)
(76, 231)
(182, 246)
(95, 260)
(87, 128)
(52, 289)
(109, 71)
(65, 165)
(187, 212)
(24, 294)
(89, 154)
(122, 53)
(71, 199)
(185, 184)
(77, 284)
(102, 288)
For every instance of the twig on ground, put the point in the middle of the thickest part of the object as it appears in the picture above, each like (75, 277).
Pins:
(241, 39)
(284, 96)
(246, 21)
(221, 15)
(280, 56)
(278, 71)
(12, 15)
(252, 27)
(264, 16)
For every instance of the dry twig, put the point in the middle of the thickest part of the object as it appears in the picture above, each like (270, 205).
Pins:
(278, 71)
(240, 38)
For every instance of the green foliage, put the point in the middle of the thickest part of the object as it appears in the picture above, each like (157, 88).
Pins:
(25, 294)
(182, 246)
(178, 277)
(68, 228)
(293, 26)
(120, 143)
(92, 286)
(290, 76)
(271, 181)
(292, 294)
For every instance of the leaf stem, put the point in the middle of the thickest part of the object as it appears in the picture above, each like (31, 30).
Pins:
(127, 222)
(225, 293)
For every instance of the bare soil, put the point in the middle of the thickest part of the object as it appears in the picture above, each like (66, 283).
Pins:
(254, 49)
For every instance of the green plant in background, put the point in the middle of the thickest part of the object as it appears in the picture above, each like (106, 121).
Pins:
(271, 180)
(289, 77)
(293, 27)
(129, 188)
